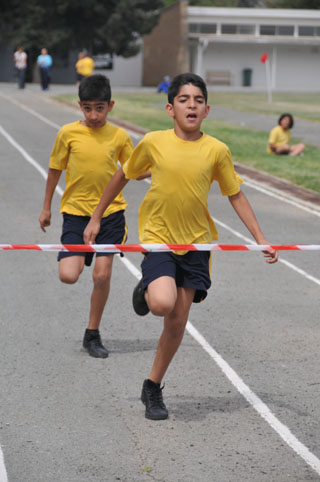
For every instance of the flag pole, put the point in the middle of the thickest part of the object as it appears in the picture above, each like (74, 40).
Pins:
(265, 60)
(268, 78)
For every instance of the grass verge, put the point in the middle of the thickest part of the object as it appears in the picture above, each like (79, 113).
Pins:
(248, 146)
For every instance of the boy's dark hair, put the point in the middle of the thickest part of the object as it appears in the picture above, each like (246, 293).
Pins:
(290, 117)
(95, 87)
(183, 79)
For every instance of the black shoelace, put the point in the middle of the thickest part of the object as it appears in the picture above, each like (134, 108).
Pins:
(155, 395)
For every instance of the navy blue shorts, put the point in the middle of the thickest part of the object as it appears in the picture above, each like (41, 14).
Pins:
(113, 230)
(191, 270)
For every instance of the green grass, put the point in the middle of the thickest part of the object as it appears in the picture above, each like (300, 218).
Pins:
(303, 106)
(248, 146)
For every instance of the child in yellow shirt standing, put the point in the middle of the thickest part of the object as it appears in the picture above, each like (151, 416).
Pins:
(84, 66)
(89, 150)
(183, 162)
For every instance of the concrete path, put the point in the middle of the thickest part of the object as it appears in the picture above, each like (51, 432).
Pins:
(306, 131)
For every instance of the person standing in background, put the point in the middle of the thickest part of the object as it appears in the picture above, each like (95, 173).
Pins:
(20, 60)
(84, 66)
(44, 62)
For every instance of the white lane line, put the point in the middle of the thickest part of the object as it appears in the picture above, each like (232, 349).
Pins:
(245, 391)
(249, 240)
(43, 172)
(31, 111)
(269, 191)
(281, 260)
(3, 472)
(27, 157)
(259, 406)
(263, 410)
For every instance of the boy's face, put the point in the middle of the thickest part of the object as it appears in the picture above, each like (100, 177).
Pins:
(95, 112)
(188, 110)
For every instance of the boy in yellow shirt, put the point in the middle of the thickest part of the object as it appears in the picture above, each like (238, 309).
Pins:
(279, 138)
(84, 66)
(183, 162)
(89, 151)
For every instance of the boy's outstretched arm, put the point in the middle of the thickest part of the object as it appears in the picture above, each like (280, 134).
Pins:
(244, 210)
(116, 184)
(52, 181)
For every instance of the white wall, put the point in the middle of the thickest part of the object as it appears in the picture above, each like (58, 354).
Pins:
(297, 67)
(125, 72)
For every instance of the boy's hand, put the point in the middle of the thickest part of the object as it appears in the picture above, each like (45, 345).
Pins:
(271, 255)
(45, 219)
(91, 231)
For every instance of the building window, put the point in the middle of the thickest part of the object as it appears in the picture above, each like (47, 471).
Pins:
(246, 29)
(267, 29)
(208, 27)
(285, 30)
(202, 27)
(228, 29)
(309, 31)
(193, 27)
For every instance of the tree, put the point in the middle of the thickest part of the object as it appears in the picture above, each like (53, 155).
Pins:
(101, 26)
(223, 3)
(303, 4)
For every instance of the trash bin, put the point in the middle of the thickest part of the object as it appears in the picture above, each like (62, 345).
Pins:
(246, 77)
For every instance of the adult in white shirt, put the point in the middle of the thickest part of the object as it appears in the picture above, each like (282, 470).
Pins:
(20, 59)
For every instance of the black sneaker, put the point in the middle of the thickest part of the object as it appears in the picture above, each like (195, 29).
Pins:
(93, 344)
(138, 300)
(151, 396)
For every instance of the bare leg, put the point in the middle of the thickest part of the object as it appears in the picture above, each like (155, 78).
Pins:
(285, 149)
(161, 295)
(297, 149)
(173, 331)
(101, 286)
(70, 269)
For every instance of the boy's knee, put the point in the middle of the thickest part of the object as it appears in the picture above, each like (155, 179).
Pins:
(68, 278)
(160, 307)
(101, 278)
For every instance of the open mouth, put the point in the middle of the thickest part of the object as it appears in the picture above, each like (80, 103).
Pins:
(191, 116)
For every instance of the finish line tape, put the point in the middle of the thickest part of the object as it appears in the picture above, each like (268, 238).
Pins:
(156, 248)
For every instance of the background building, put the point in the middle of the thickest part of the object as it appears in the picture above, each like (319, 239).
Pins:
(232, 40)
(223, 45)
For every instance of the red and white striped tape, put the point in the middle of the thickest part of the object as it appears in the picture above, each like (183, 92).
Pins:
(144, 248)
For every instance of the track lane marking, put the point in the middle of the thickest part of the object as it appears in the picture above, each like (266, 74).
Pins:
(258, 405)
(269, 191)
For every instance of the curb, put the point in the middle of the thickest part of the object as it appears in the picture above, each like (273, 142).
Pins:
(286, 188)
(283, 188)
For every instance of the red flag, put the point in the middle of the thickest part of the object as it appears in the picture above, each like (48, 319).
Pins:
(264, 57)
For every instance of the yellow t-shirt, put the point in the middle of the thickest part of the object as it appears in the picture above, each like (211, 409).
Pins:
(279, 137)
(90, 157)
(85, 66)
(175, 209)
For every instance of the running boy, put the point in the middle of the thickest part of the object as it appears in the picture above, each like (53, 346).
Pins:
(184, 162)
(89, 150)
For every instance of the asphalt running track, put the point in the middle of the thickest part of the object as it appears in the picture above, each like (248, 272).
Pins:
(242, 391)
